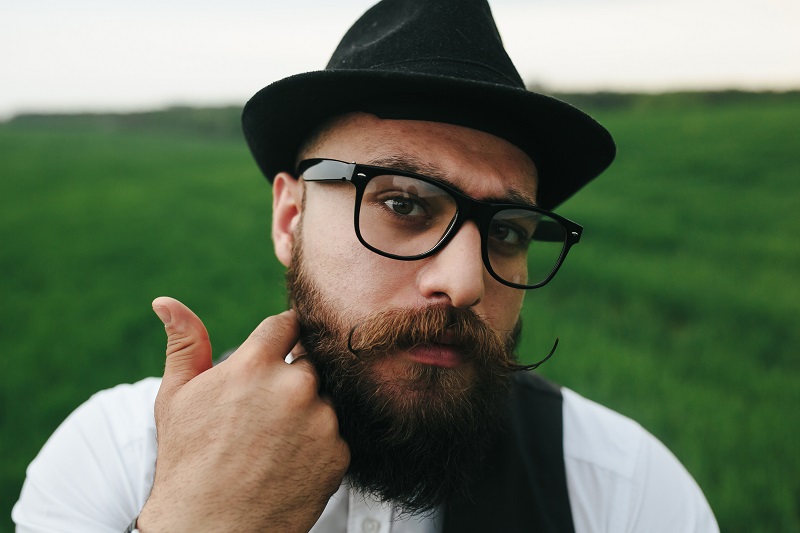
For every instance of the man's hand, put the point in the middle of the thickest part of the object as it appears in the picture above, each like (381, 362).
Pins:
(248, 445)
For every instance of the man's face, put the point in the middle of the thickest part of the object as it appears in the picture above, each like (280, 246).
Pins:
(407, 394)
(358, 281)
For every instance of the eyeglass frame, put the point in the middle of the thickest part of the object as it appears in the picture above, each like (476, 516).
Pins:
(467, 208)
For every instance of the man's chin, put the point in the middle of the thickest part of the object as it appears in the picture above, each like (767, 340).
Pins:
(403, 421)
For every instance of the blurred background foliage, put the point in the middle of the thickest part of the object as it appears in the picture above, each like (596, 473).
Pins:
(679, 308)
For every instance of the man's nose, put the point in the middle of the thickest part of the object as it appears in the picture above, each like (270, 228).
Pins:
(456, 272)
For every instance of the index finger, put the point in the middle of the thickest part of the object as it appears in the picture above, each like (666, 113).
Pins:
(273, 339)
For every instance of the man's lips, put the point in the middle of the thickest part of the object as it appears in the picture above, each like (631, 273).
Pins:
(437, 354)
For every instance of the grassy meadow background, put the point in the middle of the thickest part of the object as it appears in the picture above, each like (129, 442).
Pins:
(679, 308)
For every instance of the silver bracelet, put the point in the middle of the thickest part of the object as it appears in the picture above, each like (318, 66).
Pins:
(132, 527)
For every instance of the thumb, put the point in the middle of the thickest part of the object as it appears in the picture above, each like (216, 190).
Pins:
(188, 347)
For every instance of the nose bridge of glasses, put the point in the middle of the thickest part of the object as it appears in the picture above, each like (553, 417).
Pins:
(471, 209)
(469, 248)
(465, 210)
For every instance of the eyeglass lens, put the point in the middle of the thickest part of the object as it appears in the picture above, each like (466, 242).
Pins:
(405, 216)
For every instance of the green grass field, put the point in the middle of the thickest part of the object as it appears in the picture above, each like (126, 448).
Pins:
(680, 307)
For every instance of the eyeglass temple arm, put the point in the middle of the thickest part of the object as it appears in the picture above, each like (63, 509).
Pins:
(333, 170)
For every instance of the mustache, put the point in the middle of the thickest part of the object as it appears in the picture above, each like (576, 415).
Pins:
(400, 329)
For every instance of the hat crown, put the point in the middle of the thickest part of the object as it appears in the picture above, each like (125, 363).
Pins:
(432, 60)
(451, 38)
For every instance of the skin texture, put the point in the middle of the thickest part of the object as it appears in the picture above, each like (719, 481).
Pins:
(250, 445)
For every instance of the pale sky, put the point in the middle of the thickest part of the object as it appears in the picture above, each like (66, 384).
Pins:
(97, 55)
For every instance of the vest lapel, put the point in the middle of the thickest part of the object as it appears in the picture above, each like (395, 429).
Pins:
(524, 484)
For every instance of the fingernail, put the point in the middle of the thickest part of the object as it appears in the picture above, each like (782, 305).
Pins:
(163, 314)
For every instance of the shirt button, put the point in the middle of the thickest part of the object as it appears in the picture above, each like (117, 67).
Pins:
(371, 525)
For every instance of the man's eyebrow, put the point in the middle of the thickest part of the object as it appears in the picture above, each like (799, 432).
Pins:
(409, 163)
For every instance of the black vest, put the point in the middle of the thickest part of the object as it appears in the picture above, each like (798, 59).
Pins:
(524, 484)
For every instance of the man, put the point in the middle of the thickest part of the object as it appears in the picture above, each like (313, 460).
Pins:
(412, 184)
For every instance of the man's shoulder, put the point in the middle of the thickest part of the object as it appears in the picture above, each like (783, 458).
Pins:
(597, 435)
(592, 433)
(123, 413)
(129, 395)
(622, 476)
(112, 421)
(126, 409)
(96, 469)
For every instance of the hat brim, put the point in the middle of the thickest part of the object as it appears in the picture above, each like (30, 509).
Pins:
(568, 146)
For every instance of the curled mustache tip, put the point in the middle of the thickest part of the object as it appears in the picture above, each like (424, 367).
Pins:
(521, 368)
(350, 347)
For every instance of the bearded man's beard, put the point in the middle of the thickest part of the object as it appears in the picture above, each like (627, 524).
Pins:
(417, 436)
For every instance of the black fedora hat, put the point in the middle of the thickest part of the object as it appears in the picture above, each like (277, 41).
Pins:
(439, 61)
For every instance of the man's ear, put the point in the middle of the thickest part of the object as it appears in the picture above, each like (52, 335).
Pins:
(287, 201)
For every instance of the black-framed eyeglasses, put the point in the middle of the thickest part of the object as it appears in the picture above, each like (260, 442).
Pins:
(408, 216)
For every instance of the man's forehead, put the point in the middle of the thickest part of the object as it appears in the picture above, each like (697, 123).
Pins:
(411, 163)
(477, 163)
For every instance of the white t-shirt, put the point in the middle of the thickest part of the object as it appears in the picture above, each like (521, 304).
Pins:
(95, 472)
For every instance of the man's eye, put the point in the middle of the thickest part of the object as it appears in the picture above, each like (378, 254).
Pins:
(404, 206)
(508, 235)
